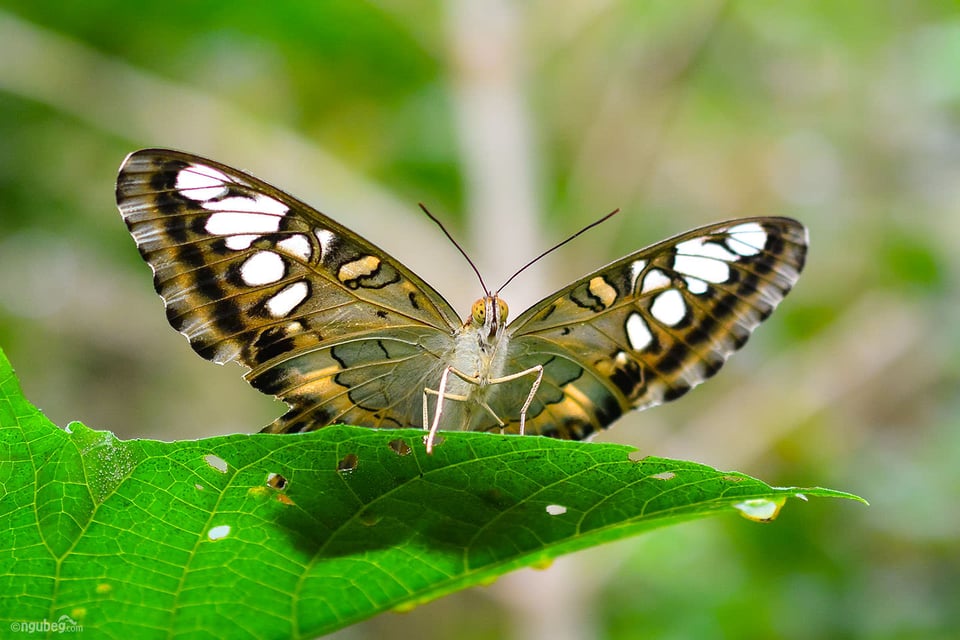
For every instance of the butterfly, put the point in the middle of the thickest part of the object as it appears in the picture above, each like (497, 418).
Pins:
(345, 333)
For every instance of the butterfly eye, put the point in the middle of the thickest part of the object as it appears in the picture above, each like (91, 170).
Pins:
(479, 312)
(503, 310)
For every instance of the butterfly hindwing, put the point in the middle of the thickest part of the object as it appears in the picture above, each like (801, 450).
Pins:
(323, 319)
(651, 326)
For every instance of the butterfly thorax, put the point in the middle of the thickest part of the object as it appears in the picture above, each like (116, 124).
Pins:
(481, 353)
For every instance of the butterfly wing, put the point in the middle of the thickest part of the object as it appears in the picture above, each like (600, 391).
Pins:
(325, 320)
(651, 326)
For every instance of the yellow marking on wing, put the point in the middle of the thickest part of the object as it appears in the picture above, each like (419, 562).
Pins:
(602, 290)
(362, 267)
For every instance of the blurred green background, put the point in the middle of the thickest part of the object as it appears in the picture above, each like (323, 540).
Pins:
(517, 123)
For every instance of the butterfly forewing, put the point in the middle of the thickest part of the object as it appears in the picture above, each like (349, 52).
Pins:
(324, 319)
(651, 326)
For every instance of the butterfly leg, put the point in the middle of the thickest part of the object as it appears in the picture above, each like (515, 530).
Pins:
(446, 396)
(436, 416)
(533, 389)
(426, 412)
(441, 396)
(533, 392)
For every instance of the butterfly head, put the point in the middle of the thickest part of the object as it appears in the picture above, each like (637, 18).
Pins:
(489, 315)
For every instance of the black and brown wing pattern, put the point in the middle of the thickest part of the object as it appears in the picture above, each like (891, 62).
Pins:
(651, 326)
(324, 319)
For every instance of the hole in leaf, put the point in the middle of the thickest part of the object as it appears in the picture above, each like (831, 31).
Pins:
(219, 532)
(760, 509)
(348, 464)
(664, 475)
(636, 456)
(437, 440)
(276, 481)
(216, 462)
(400, 447)
(556, 509)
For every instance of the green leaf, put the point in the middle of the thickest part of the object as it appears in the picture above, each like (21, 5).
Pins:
(299, 535)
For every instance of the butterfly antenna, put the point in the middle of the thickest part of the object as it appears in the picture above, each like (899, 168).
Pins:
(557, 246)
(456, 244)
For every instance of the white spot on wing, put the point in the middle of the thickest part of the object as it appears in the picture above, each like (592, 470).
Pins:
(262, 267)
(244, 225)
(229, 223)
(638, 333)
(258, 204)
(198, 183)
(704, 260)
(239, 243)
(669, 307)
(326, 238)
(709, 269)
(296, 245)
(696, 285)
(698, 247)
(636, 268)
(655, 279)
(287, 299)
(747, 239)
